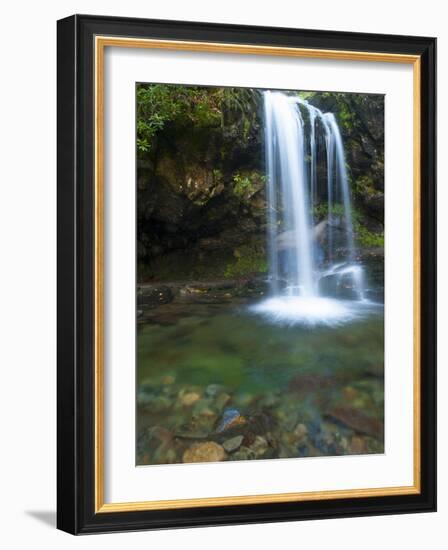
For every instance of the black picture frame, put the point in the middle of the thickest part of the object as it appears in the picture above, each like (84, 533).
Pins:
(76, 272)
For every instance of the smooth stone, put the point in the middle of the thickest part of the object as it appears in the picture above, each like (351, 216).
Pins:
(204, 408)
(233, 444)
(244, 453)
(358, 421)
(358, 445)
(190, 398)
(231, 418)
(209, 451)
(259, 446)
(214, 389)
(207, 413)
(300, 431)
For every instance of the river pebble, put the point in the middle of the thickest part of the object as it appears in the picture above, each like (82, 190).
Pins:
(233, 444)
(209, 451)
(190, 398)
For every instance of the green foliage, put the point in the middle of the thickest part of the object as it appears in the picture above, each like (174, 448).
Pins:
(366, 238)
(246, 184)
(155, 106)
(248, 259)
(242, 105)
(160, 104)
(306, 95)
(241, 184)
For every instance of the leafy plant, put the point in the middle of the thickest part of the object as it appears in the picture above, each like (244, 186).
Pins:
(159, 104)
(245, 185)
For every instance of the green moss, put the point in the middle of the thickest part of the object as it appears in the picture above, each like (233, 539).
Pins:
(366, 238)
(365, 186)
(248, 259)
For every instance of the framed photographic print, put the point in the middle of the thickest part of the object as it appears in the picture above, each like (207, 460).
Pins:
(246, 274)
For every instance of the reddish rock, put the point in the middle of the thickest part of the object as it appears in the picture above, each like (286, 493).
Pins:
(358, 421)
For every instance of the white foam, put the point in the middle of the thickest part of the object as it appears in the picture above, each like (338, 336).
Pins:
(312, 311)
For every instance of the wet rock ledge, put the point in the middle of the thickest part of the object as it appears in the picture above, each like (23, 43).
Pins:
(151, 296)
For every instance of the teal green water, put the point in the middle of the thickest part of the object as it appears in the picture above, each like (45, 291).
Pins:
(202, 345)
(198, 363)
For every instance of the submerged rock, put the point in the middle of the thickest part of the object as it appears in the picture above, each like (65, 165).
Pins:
(231, 418)
(190, 398)
(300, 431)
(262, 422)
(358, 421)
(204, 408)
(358, 445)
(259, 446)
(149, 296)
(233, 444)
(209, 451)
(212, 390)
(244, 453)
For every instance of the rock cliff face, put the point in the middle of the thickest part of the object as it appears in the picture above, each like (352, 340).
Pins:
(201, 207)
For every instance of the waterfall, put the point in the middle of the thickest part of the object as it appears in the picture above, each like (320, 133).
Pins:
(292, 248)
(300, 253)
(343, 182)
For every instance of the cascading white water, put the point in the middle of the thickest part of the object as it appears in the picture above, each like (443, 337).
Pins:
(343, 182)
(296, 262)
(285, 147)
